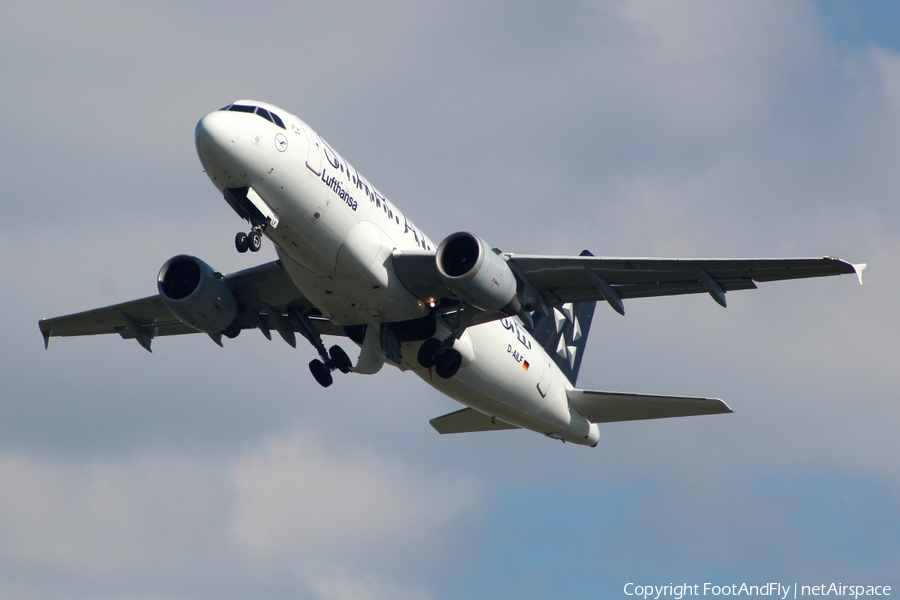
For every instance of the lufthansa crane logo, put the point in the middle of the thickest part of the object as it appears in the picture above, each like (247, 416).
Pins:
(281, 142)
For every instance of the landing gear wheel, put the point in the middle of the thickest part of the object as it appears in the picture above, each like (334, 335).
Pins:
(321, 373)
(428, 352)
(241, 243)
(340, 359)
(448, 363)
(254, 241)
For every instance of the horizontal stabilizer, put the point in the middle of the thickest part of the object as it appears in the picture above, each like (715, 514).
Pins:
(467, 420)
(608, 407)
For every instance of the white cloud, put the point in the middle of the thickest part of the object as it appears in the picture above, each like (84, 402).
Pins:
(294, 496)
(352, 524)
(96, 518)
(351, 586)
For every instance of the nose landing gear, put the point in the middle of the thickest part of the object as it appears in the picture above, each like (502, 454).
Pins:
(250, 207)
(251, 241)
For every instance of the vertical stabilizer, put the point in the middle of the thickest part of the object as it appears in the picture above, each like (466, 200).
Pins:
(564, 334)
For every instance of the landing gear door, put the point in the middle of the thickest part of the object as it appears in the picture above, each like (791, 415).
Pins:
(314, 158)
(262, 207)
(544, 384)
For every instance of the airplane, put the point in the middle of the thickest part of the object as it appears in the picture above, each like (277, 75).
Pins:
(502, 333)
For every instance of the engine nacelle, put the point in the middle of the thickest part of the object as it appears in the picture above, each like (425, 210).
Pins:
(198, 295)
(476, 274)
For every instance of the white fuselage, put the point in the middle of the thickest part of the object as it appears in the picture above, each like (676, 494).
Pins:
(336, 235)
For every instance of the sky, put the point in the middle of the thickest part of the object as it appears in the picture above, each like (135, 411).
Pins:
(630, 128)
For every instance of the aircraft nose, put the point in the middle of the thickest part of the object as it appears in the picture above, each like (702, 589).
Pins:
(215, 135)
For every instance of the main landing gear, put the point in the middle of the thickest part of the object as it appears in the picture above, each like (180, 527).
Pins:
(251, 241)
(445, 360)
(335, 359)
(440, 353)
(329, 360)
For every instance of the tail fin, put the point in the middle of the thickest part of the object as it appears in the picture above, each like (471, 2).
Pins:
(564, 334)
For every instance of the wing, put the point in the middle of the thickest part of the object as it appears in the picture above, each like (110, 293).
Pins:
(555, 280)
(582, 278)
(266, 293)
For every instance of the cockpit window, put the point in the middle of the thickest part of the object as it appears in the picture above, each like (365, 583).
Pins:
(259, 110)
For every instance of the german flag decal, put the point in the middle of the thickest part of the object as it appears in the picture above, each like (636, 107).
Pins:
(525, 364)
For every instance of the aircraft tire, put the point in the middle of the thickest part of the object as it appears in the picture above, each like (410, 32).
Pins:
(254, 241)
(428, 352)
(448, 363)
(240, 242)
(340, 359)
(321, 373)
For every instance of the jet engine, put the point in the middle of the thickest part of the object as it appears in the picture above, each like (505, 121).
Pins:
(477, 274)
(198, 295)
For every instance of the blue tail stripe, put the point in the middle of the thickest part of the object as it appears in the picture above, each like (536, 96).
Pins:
(564, 334)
